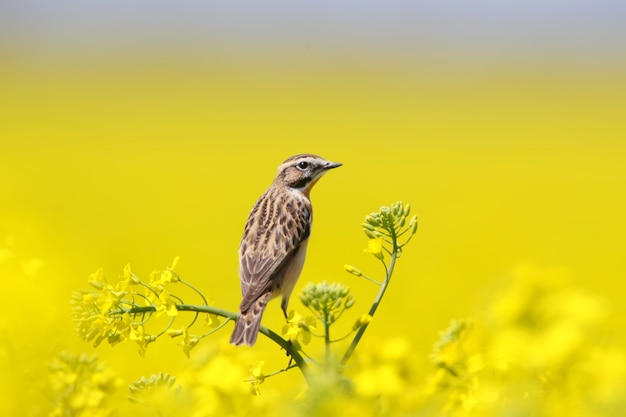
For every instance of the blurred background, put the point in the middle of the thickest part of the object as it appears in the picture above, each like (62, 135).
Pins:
(137, 131)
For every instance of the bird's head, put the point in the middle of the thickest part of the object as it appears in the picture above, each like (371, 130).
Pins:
(301, 172)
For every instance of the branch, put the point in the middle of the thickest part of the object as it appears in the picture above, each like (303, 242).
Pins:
(285, 344)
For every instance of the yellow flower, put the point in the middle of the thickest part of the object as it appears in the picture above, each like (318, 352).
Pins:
(257, 378)
(97, 279)
(165, 303)
(168, 276)
(375, 247)
(128, 274)
(189, 342)
(100, 326)
(138, 334)
(212, 320)
(158, 279)
(297, 329)
(175, 262)
(128, 279)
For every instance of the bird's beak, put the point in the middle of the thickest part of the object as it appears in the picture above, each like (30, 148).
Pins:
(331, 165)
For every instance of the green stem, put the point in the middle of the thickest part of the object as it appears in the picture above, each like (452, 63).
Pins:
(374, 307)
(327, 340)
(285, 344)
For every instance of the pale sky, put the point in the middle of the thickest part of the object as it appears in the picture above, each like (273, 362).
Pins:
(593, 29)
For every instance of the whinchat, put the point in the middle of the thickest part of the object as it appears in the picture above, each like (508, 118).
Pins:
(274, 242)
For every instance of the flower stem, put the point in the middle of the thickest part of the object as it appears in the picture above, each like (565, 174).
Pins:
(377, 300)
(285, 344)
(327, 340)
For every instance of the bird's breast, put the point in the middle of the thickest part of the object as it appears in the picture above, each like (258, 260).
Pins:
(293, 270)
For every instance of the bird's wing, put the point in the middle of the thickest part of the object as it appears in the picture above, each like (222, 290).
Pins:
(275, 229)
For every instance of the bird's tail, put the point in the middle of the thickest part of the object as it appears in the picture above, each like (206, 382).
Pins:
(248, 322)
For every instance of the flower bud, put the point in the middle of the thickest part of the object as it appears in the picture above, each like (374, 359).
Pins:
(371, 219)
(364, 320)
(97, 284)
(368, 227)
(174, 332)
(371, 234)
(351, 269)
(413, 224)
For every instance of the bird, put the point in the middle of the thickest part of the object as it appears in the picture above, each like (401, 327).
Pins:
(274, 242)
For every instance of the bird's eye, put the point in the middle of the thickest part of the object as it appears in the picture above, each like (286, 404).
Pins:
(303, 165)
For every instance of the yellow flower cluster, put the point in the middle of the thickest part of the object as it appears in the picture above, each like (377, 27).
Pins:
(534, 354)
(106, 312)
(389, 377)
(81, 386)
(387, 226)
(118, 312)
(535, 350)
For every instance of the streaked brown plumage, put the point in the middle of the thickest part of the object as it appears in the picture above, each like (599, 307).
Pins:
(274, 242)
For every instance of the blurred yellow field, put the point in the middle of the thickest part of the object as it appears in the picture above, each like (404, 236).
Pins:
(517, 176)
